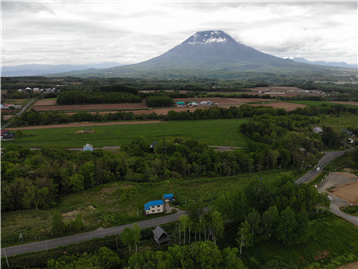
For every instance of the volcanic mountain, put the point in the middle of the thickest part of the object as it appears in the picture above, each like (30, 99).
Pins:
(214, 50)
(204, 54)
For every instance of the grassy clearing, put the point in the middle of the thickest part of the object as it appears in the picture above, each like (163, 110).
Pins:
(116, 203)
(213, 132)
(340, 122)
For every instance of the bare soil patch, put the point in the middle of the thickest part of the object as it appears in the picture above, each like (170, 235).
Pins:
(45, 103)
(349, 192)
(85, 132)
(76, 124)
(287, 106)
(344, 103)
(336, 179)
(6, 117)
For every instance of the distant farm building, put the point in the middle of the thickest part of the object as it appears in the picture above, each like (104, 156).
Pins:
(154, 207)
(87, 147)
(6, 135)
(181, 104)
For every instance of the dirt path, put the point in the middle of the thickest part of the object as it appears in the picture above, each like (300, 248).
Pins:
(77, 124)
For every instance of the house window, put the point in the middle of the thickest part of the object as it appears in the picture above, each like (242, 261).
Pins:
(158, 210)
(158, 205)
(153, 210)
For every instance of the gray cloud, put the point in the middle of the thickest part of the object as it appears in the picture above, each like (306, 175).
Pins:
(15, 7)
(88, 33)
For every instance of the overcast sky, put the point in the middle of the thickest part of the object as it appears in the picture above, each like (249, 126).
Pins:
(78, 32)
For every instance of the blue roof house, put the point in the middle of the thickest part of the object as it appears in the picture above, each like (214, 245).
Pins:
(154, 207)
(168, 196)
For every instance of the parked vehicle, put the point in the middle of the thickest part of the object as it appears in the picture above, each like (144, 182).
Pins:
(318, 169)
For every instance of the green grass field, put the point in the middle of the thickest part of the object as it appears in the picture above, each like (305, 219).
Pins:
(317, 103)
(213, 132)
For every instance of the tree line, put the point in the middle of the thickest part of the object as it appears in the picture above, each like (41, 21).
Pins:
(77, 98)
(32, 117)
(159, 101)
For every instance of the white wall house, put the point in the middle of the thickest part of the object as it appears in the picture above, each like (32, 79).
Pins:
(154, 207)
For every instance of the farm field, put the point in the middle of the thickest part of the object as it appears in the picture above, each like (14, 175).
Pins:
(320, 103)
(287, 106)
(83, 124)
(110, 203)
(17, 101)
(344, 103)
(213, 132)
(46, 102)
(286, 93)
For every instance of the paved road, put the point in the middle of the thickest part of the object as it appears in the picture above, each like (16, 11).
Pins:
(336, 201)
(19, 113)
(331, 155)
(101, 232)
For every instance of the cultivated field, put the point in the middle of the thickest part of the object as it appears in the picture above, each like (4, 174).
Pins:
(84, 124)
(287, 106)
(291, 91)
(212, 132)
(6, 117)
(140, 108)
(46, 102)
(344, 103)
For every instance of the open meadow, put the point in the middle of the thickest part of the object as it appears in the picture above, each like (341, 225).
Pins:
(212, 132)
(341, 122)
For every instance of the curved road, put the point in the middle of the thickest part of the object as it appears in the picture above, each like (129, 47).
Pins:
(336, 201)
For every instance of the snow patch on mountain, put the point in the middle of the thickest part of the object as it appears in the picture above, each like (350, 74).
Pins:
(208, 37)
